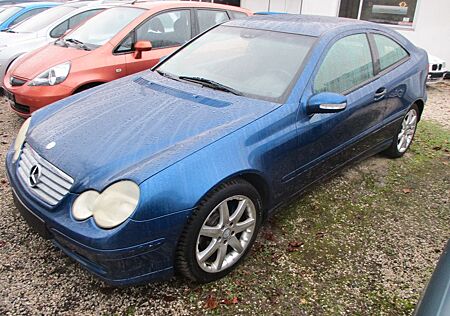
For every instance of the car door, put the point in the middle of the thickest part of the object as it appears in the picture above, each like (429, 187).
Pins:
(166, 31)
(391, 55)
(327, 141)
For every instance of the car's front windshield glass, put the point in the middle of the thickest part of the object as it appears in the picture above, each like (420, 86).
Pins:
(8, 12)
(256, 63)
(41, 20)
(104, 26)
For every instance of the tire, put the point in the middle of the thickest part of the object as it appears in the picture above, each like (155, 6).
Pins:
(404, 136)
(208, 236)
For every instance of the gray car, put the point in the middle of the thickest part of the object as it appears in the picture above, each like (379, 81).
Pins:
(42, 29)
(435, 300)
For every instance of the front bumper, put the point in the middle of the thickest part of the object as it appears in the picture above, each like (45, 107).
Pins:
(28, 99)
(135, 252)
(436, 76)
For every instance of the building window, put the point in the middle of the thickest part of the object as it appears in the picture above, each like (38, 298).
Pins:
(395, 12)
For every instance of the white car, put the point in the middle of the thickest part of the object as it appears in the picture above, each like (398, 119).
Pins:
(437, 69)
(42, 29)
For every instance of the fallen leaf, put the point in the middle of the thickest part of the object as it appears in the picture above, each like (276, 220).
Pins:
(437, 148)
(295, 244)
(211, 302)
(234, 300)
(320, 234)
(407, 190)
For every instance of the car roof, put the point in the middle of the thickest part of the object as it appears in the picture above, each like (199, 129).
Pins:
(310, 25)
(29, 4)
(173, 4)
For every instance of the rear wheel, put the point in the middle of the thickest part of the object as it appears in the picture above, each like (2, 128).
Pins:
(405, 134)
(220, 232)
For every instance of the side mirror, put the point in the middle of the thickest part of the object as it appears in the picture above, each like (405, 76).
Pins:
(141, 46)
(326, 102)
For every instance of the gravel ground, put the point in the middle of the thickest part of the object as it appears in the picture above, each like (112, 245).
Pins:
(364, 242)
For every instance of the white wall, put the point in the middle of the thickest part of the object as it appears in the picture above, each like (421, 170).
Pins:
(432, 28)
(321, 7)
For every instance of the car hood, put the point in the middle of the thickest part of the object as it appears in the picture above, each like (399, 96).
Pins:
(134, 127)
(42, 59)
(11, 39)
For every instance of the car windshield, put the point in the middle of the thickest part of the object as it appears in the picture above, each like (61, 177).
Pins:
(101, 28)
(8, 12)
(256, 63)
(41, 20)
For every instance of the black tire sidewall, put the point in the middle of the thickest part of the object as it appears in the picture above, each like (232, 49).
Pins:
(393, 150)
(224, 191)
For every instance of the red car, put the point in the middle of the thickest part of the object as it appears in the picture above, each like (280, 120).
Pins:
(114, 43)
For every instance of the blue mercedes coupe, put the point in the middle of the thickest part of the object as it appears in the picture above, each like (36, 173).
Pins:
(175, 169)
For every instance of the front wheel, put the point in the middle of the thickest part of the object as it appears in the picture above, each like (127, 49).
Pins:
(405, 134)
(220, 232)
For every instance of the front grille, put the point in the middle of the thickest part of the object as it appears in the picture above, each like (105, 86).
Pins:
(440, 66)
(21, 108)
(16, 82)
(51, 185)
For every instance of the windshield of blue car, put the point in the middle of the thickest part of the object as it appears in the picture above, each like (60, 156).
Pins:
(102, 27)
(41, 20)
(255, 63)
(8, 12)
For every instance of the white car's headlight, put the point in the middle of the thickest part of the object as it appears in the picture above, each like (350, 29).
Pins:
(109, 208)
(20, 139)
(52, 76)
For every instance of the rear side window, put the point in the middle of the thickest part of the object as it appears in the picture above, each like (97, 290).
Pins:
(73, 22)
(166, 29)
(347, 64)
(209, 18)
(389, 51)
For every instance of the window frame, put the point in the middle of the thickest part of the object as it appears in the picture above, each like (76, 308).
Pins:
(13, 22)
(401, 27)
(377, 72)
(71, 17)
(374, 47)
(197, 22)
(133, 31)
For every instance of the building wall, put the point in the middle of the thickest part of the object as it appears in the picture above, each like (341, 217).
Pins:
(431, 28)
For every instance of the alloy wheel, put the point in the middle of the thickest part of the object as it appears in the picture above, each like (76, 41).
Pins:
(407, 131)
(226, 233)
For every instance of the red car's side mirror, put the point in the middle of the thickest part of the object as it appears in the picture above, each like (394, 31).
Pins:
(141, 46)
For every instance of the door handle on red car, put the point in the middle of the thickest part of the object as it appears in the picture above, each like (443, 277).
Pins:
(380, 93)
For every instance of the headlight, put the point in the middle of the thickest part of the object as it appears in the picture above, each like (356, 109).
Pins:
(52, 76)
(109, 208)
(20, 139)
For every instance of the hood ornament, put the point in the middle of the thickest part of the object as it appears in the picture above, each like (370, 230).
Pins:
(50, 145)
(35, 175)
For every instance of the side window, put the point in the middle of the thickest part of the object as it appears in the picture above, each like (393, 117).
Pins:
(237, 14)
(209, 18)
(347, 64)
(127, 44)
(166, 29)
(27, 15)
(389, 51)
(73, 22)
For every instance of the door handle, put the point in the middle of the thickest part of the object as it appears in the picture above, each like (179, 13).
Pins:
(380, 93)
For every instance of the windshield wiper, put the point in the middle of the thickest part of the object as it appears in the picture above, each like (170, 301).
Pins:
(211, 83)
(79, 43)
(8, 31)
(167, 75)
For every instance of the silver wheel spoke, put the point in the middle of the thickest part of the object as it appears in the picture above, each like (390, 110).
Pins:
(224, 213)
(235, 244)
(240, 227)
(210, 231)
(221, 253)
(239, 211)
(209, 251)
